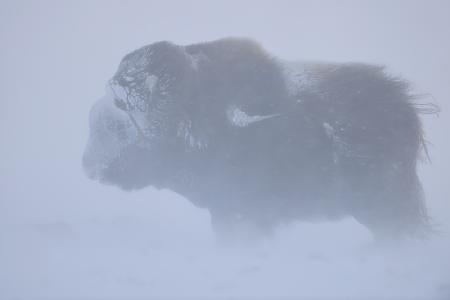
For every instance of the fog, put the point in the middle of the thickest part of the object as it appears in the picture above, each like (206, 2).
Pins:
(65, 236)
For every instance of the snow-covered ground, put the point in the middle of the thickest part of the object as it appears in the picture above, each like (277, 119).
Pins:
(63, 236)
(170, 252)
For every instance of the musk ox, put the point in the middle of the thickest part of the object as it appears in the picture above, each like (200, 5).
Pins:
(261, 141)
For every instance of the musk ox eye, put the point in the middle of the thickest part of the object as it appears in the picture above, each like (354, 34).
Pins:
(121, 104)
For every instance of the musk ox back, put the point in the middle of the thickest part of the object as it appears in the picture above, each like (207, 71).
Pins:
(260, 141)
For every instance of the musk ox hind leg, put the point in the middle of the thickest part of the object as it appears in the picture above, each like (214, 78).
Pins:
(390, 203)
(377, 137)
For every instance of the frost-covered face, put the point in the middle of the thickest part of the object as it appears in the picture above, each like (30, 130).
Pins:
(135, 127)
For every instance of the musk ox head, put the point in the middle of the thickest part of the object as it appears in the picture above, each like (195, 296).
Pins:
(137, 125)
(166, 100)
